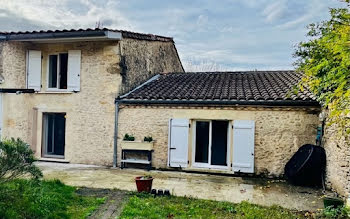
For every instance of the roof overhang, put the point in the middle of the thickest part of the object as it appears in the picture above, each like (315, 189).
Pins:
(64, 36)
(277, 103)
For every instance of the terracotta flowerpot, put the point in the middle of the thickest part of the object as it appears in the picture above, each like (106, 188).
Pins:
(143, 184)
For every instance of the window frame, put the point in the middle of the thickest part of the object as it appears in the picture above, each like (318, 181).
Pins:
(44, 132)
(209, 165)
(58, 73)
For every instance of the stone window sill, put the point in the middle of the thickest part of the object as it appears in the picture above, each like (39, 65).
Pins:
(55, 92)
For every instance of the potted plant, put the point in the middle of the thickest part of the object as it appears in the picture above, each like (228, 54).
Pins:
(128, 137)
(144, 183)
(148, 139)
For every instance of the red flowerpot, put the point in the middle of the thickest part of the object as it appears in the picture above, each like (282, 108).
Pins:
(143, 184)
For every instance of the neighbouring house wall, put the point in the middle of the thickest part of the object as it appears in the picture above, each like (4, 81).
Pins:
(337, 148)
(279, 132)
(143, 59)
(90, 113)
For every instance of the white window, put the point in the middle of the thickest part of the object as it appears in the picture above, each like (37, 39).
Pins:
(58, 71)
(211, 144)
(63, 71)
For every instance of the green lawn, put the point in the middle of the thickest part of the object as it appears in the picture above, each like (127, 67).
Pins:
(145, 206)
(44, 199)
(52, 199)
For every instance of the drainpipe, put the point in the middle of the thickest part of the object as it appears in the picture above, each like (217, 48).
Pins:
(115, 134)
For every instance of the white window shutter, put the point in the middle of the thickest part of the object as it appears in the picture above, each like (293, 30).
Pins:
(34, 70)
(178, 142)
(243, 146)
(74, 66)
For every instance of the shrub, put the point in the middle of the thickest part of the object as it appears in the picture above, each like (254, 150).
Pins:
(17, 159)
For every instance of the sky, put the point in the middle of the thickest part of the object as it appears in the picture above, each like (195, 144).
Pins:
(210, 35)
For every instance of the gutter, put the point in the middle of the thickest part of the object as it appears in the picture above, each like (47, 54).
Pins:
(101, 34)
(220, 102)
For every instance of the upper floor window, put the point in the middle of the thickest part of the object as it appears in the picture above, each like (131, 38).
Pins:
(63, 71)
(58, 69)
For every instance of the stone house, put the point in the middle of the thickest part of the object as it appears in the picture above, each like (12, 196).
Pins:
(248, 122)
(230, 122)
(74, 94)
(58, 87)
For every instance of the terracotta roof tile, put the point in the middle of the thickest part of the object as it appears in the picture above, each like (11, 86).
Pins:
(242, 86)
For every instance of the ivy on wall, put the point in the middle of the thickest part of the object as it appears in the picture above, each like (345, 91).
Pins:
(325, 62)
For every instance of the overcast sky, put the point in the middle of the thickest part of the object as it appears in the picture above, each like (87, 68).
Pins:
(219, 34)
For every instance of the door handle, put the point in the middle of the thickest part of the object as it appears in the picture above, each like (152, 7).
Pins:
(172, 148)
(252, 154)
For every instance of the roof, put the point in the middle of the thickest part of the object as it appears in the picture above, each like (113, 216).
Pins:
(242, 88)
(82, 32)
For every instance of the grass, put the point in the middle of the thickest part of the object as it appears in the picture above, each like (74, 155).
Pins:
(44, 199)
(145, 206)
(334, 213)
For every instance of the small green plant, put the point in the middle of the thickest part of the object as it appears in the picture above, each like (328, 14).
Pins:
(128, 137)
(331, 212)
(17, 159)
(146, 177)
(148, 138)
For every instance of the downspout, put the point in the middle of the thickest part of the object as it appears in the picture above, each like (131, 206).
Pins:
(115, 134)
(116, 102)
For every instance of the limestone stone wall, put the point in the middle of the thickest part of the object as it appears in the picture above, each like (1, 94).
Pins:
(337, 148)
(279, 132)
(143, 59)
(89, 113)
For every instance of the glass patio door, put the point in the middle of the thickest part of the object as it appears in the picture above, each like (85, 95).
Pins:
(211, 144)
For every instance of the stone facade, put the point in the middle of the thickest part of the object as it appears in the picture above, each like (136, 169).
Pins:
(337, 148)
(152, 58)
(90, 112)
(279, 132)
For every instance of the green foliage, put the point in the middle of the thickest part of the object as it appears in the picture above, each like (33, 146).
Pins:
(43, 199)
(128, 137)
(148, 138)
(334, 213)
(16, 159)
(325, 61)
(145, 206)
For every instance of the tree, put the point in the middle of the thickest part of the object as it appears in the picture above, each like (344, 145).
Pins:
(325, 62)
(16, 159)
